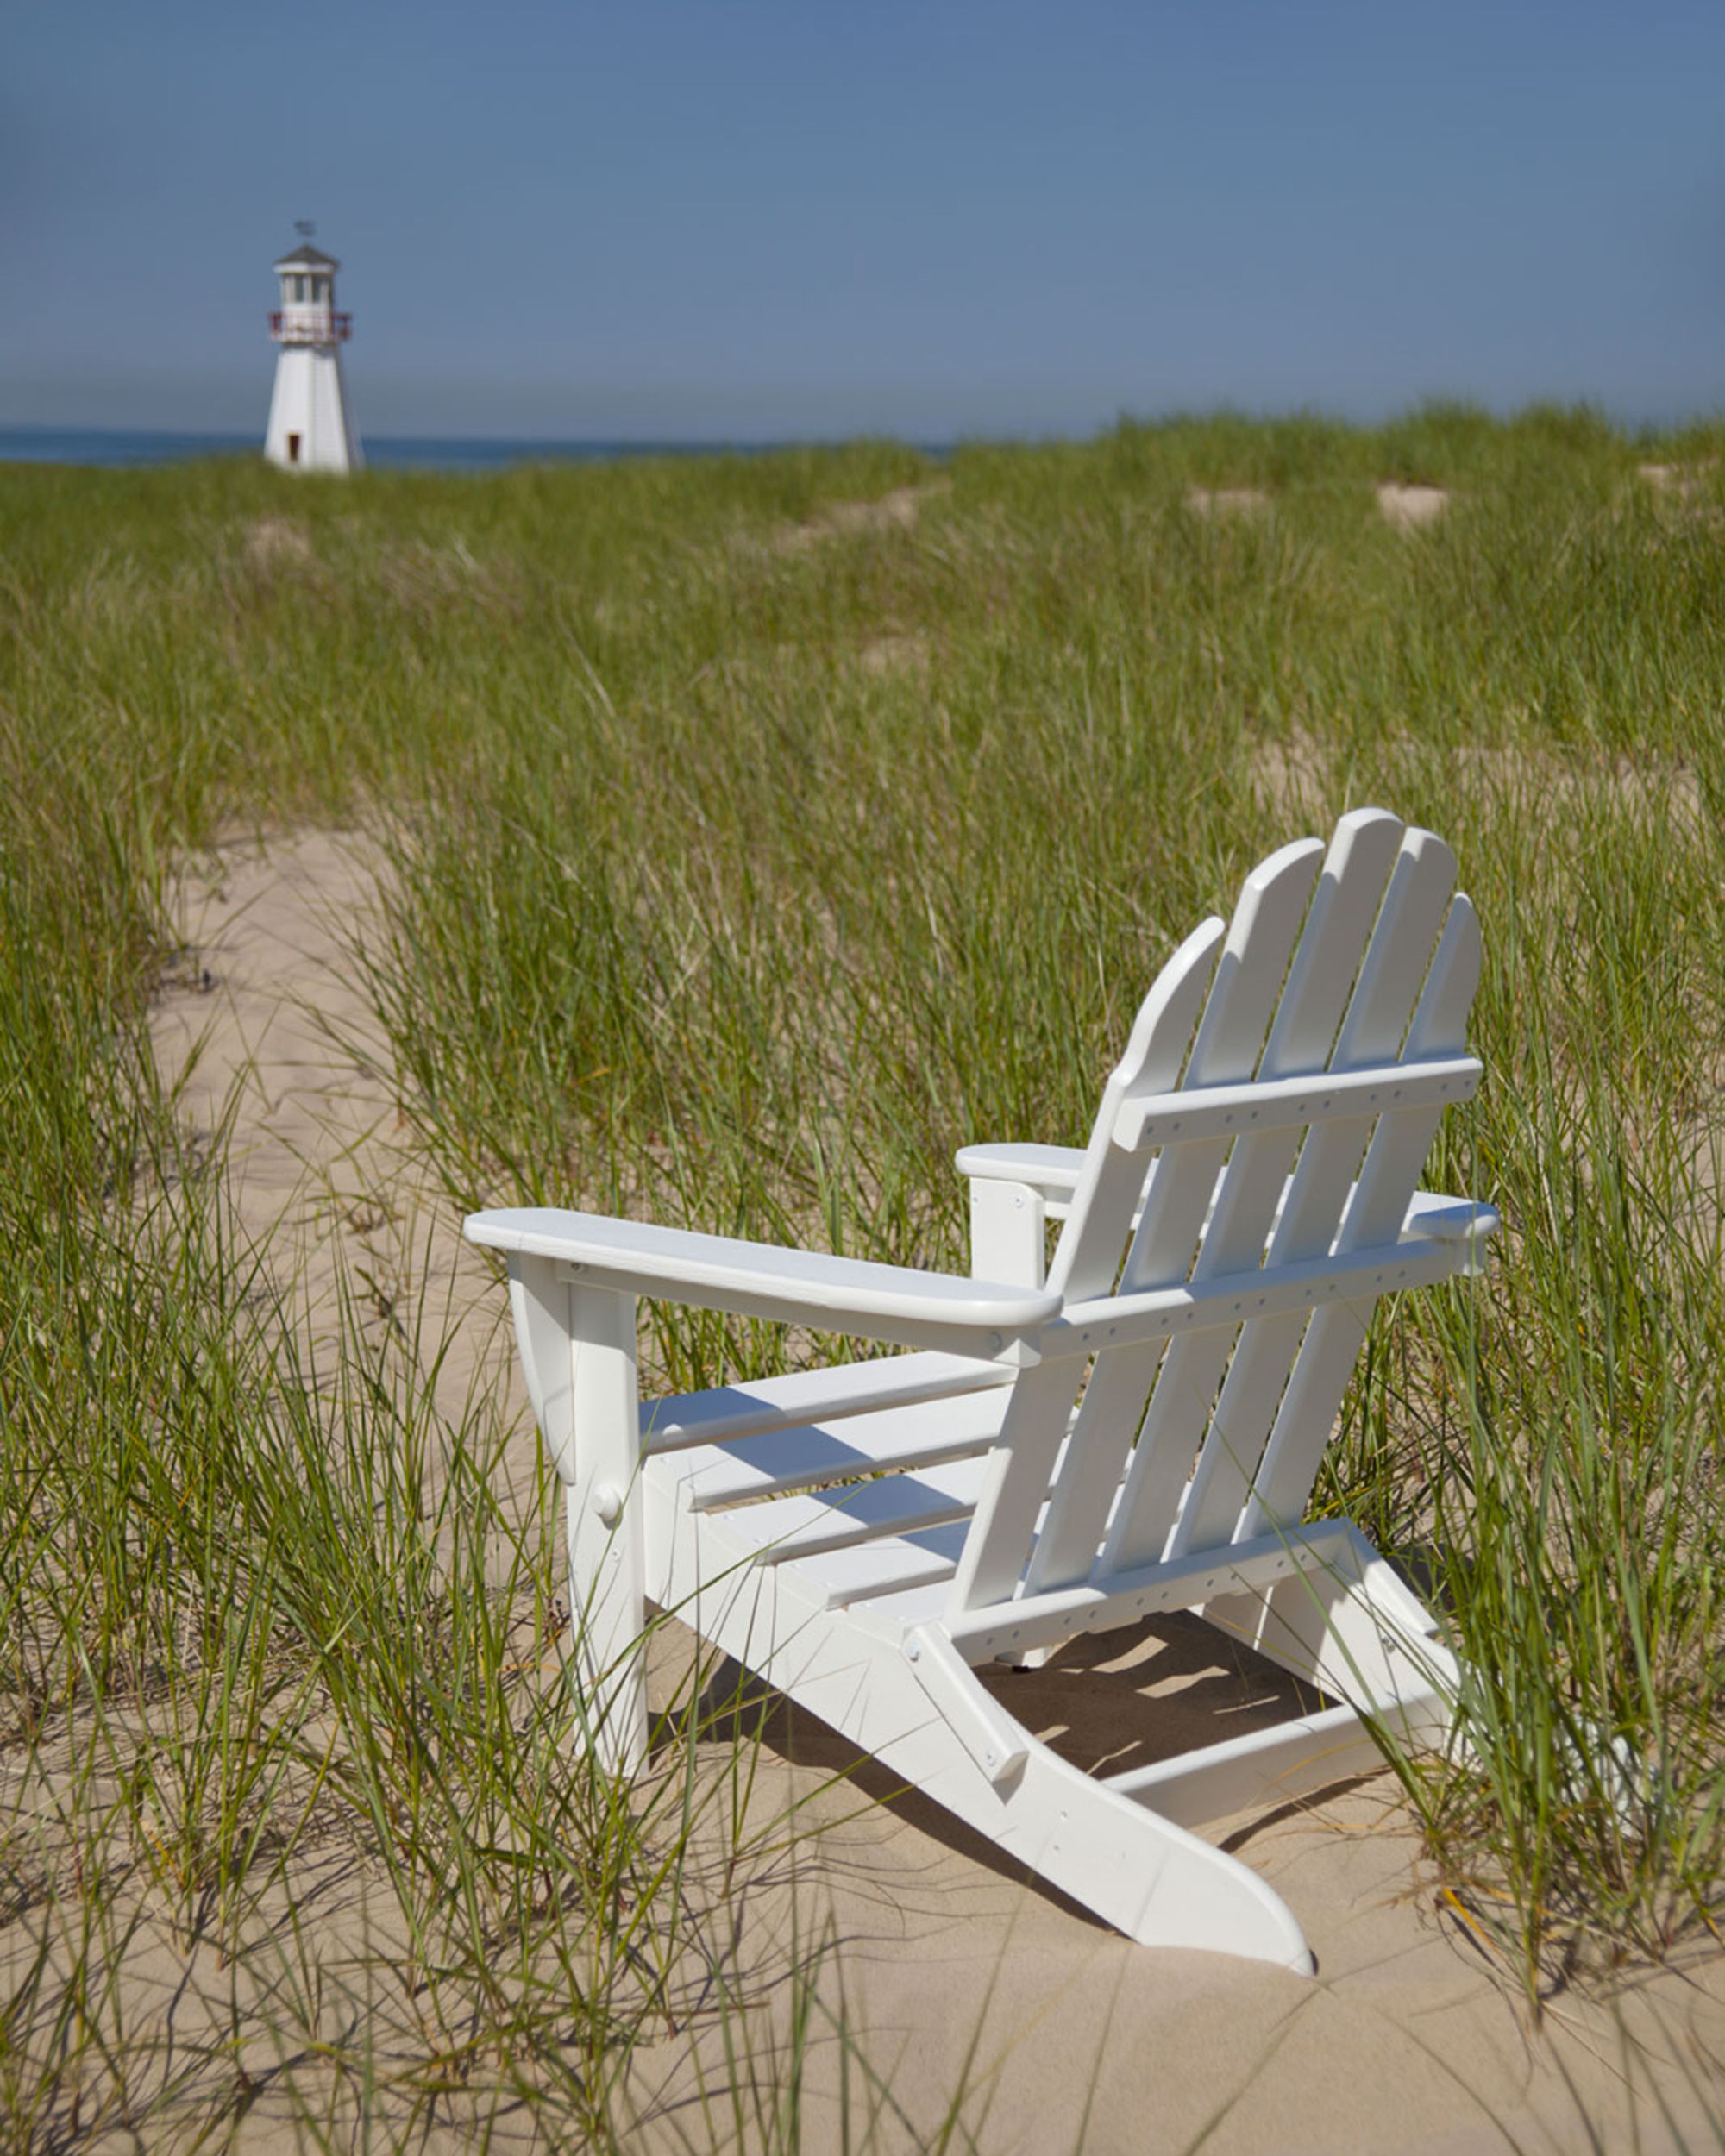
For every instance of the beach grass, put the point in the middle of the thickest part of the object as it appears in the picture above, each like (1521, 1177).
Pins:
(764, 829)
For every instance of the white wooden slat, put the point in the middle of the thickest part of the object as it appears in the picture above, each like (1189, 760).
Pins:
(1319, 1187)
(1266, 1766)
(1397, 1153)
(1362, 888)
(808, 1455)
(1130, 1369)
(1400, 951)
(1107, 1194)
(1265, 1104)
(787, 1530)
(1305, 1421)
(1283, 1476)
(1147, 1590)
(1433, 1208)
(1198, 1306)
(1011, 1627)
(748, 1408)
(1238, 1013)
(926, 1558)
(1401, 1141)
(1379, 1013)
(1376, 1017)
(1085, 1264)
(1254, 963)
(1446, 1002)
(1347, 905)
(891, 1615)
(1179, 1412)
(1107, 1423)
(1037, 1422)
(1245, 1411)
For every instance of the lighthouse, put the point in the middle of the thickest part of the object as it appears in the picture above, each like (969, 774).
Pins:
(309, 427)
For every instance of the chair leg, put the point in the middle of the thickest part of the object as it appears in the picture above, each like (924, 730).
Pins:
(1133, 1868)
(1140, 1871)
(607, 1565)
(1358, 1633)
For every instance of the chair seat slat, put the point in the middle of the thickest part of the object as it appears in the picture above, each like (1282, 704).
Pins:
(811, 1455)
(928, 1558)
(799, 1397)
(789, 1529)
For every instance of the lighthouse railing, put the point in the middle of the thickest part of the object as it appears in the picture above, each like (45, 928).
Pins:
(306, 327)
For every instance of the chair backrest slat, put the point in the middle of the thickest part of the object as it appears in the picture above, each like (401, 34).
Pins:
(1371, 1034)
(1393, 1162)
(1240, 1009)
(1184, 1443)
(1085, 1265)
(1363, 896)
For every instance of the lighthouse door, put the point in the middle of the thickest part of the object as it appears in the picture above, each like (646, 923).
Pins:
(293, 448)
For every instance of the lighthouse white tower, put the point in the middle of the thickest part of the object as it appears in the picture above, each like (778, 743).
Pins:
(310, 429)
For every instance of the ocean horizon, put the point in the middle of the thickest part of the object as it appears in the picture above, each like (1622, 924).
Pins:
(115, 446)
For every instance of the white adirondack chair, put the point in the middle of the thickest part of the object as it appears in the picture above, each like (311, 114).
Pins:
(1138, 1435)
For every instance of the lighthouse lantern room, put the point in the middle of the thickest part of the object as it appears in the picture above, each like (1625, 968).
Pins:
(310, 429)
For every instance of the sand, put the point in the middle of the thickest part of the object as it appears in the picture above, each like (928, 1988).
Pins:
(1409, 507)
(1685, 481)
(898, 510)
(264, 1020)
(1227, 501)
(1403, 508)
(954, 1974)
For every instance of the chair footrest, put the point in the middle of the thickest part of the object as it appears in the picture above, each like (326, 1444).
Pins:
(1267, 1765)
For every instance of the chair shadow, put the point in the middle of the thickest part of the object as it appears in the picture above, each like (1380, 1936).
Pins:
(1107, 1702)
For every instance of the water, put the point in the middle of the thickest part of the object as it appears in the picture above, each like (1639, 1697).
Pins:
(113, 447)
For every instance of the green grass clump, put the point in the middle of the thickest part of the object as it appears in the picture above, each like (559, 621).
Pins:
(752, 853)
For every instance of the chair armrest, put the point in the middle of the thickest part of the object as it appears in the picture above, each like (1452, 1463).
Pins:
(1015, 1190)
(1052, 1171)
(762, 1280)
(1434, 1217)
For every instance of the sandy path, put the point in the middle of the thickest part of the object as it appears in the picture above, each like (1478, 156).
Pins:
(266, 1023)
(1409, 2039)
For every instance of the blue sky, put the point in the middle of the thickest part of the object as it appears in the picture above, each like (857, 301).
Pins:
(764, 220)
